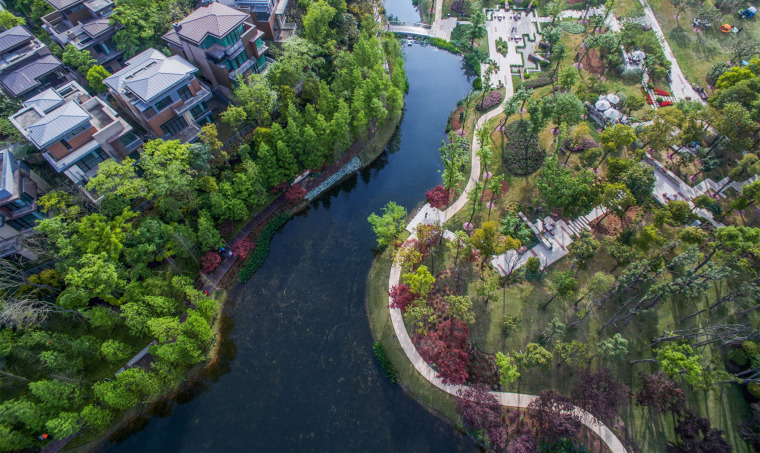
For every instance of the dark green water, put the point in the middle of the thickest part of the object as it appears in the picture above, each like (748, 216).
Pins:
(301, 375)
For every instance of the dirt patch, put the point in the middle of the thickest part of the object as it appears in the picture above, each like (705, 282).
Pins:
(503, 191)
(611, 224)
(456, 118)
(592, 63)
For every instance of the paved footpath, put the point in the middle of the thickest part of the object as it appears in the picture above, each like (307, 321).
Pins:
(429, 214)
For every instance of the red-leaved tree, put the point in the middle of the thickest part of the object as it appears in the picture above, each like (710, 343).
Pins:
(242, 248)
(209, 262)
(446, 347)
(600, 394)
(295, 193)
(401, 297)
(695, 435)
(438, 197)
(226, 228)
(481, 412)
(661, 393)
(554, 416)
(524, 443)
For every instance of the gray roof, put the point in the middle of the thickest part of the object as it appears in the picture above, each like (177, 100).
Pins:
(57, 123)
(7, 181)
(215, 19)
(24, 78)
(149, 74)
(45, 101)
(14, 37)
(62, 4)
(96, 27)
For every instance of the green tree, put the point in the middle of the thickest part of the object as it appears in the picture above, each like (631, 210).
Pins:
(680, 360)
(8, 20)
(114, 351)
(562, 284)
(507, 369)
(80, 60)
(95, 76)
(613, 347)
(208, 235)
(388, 226)
(575, 194)
(234, 116)
(119, 178)
(616, 137)
(142, 23)
(256, 98)
(583, 249)
(534, 356)
(316, 22)
(64, 425)
(420, 281)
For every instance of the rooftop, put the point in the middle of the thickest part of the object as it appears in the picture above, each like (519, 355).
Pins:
(215, 19)
(14, 37)
(149, 74)
(25, 78)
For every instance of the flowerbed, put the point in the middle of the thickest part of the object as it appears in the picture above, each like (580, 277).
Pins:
(660, 92)
(586, 143)
(523, 155)
(492, 100)
(572, 27)
(262, 247)
(649, 99)
(459, 7)
(665, 103)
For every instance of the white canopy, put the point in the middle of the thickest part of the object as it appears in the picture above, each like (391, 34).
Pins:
(638, 55)
(613, 114)
(613, 98)
(602, 104)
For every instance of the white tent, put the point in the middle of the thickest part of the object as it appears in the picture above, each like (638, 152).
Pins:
(613, 99)
(602, 104)
(613, 114)
(638, 55)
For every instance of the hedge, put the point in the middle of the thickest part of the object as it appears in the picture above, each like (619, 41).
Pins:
(261, 251)
(538, 82)
(385, 363)
(445, 45)
(572, 27)
(519, 138)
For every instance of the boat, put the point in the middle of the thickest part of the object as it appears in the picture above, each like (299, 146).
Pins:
(409, 40)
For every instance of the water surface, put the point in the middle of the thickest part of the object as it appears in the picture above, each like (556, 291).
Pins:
(302, 376)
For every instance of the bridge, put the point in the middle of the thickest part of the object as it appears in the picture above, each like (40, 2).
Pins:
(410, 28)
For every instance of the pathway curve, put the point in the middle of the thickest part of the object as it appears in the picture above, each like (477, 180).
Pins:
(427, 214)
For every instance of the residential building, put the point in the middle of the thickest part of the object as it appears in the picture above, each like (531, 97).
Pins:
(26, 65)
(75, 131)
(19, 189)
(162, 94)
(222, 41)
(267, 15)
(84, 23)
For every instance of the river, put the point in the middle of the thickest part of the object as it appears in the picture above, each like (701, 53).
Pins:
(301, 375)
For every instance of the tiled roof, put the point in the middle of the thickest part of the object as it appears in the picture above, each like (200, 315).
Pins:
(96, 27)
(62, 4)
(149, 74)
(215, 19)
(56, 123)
(173, 38)
(45, 101)
(13, 37)
(24, 78)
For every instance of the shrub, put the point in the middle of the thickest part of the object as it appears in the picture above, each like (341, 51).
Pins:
(460, 7)
(523, 155)
(477, 84)
(738, 357)
(658, 99)
(751, 347)
(445, 45)
(665, 103)
(295, 193)
(661, 92)
(632, 75)
(754, 389)
(572, 27)
(242, 248)
(262, 247)
(210, 261)
(538, 82)
(492, 100)
(385, 363)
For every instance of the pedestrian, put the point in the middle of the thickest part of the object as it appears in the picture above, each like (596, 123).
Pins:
(426, 215)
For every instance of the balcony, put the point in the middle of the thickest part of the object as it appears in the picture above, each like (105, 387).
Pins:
(241, 70)
(186, 135)
(202, 95)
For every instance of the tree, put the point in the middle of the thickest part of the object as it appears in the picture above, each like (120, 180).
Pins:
(316, 22)
(616, 137)
(390, 225)
(481, 413)
(446, 349)
(613, 347)
(583, 249)
(715, 71)
(95, 76)
(438, 197)
(208, 235)
(256, 98)
(142, 22)
(8, 20)
(420, 282)
(680, 360)
(477, 30)
(114, 351)
(568, 77)
(661, 393)
(80, 60)
(562, 284)
(733, 76)
(600, 394)
(490, 242)
(534, 356)
(695, 435)
(554, 415)
(234, 116)
(575, 194)
(488, 285)
(454, 155)
(634, 103)
(401, 297)
(568, 109)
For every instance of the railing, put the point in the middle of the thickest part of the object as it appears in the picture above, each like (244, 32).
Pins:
(410, 24)
(239, 71)
(189, 103)
(238, 136)
(233, 48)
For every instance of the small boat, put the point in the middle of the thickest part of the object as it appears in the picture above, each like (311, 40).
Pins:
(409, 40)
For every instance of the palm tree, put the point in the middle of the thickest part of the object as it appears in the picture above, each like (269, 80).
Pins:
(477, 30)
(510, 108)
(494, 185)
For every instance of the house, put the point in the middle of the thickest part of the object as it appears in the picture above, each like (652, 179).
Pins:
(84, 24)
(75, 131)
(222, 41)
(267, 15)
(26, 65)
(162, 94)
(19, 190)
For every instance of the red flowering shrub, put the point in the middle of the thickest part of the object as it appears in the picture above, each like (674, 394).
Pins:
(295, 193)
(649, 99)
(209, 262)
(438, 197)
(492, 100)
(660, 92)
(242, 248)
(665, 103)
(401, 297)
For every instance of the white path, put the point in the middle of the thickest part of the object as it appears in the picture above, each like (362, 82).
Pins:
(429, 214)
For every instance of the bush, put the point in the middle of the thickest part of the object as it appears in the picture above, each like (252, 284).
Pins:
(632, 75)
(754, 389)
(242, 248)
(751, 347)
(509, 324)
(538, 82)
(522, 156)
(665, 103)
(661, 92)
(210, 261)
(445, 45)
(460, 7)
(477, 84)
(572, 27)
(385, 363)
(262, 247)
(738, 357)
(492, 100)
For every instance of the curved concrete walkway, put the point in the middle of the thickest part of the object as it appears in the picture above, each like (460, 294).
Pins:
(508, 399)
